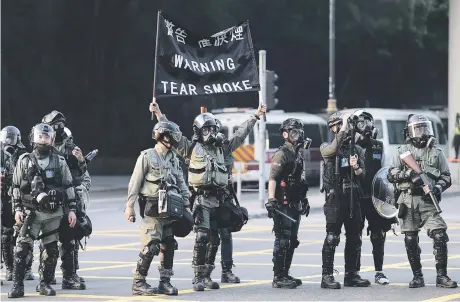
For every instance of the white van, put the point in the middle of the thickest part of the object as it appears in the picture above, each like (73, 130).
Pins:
(314, 128)
(391, 123)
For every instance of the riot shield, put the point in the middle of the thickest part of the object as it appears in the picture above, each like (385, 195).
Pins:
(383, 195)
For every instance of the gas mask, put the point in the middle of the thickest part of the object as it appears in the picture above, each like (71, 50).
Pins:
(43, 149)
(60, 133)
(296, 136)
(37, 187)
(9, 149)
(208, 135)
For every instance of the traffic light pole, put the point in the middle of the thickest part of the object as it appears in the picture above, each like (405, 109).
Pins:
(262, 132)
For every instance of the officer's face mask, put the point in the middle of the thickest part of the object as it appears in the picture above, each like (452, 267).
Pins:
(209, 134)
(42, 142)
(296, 136)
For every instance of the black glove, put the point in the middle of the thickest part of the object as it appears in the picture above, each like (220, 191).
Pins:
(305, 207)
(416, 179)
(271, 205)
(198, 215)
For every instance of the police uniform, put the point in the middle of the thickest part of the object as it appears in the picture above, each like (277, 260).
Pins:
(337, 210)
(156, 234)
(7, 214)
(10, 136)
(284, 163)
(421, 210)
(208, 175)
(56, 176)
(69, 247)
(378, 226)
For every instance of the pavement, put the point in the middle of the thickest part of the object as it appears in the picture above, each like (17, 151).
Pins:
(112, 251)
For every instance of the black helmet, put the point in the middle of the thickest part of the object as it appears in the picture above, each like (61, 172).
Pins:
(419, 130)
(83, 227)
(183, 226)
(170, 129)
(291, 123)
(10, 135)
(58, 121)
(334, 119)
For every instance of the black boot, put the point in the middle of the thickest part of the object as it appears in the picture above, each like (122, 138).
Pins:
(208, 282)
(48, 266)
(328, 253)
(289, 256)
(77, 266)
(198, 281)
(165, 286)
(413, 250)
(68, 268)
(353, 279)
(140, 286)
(440, 252)
(227, 274)
(8, 256)
(279, 273)
(19, 270)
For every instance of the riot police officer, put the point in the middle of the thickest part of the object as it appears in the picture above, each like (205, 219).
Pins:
(154, 168)
(82, 182)
(42, 183)
(287, 200)
(206, 151)
(416, 208)
(6, 175)
(378, 226)
(10, 137)
(338, 183)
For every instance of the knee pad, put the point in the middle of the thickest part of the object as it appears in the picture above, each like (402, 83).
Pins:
(52, 249)
(378, 235)
(225, 235)
(150, 250)
(332, 239)
(202, 236)
(214, 240)
(439, 235)
(23, 250)
(284, 243)
(170, 242)
(411, 238)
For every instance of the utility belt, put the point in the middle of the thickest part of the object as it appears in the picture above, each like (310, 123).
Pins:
(168, 205)
(31, 203)
(219, 193)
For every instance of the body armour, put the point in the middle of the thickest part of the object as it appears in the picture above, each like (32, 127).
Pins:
(160, 170)
(51, 175)
(207, 167)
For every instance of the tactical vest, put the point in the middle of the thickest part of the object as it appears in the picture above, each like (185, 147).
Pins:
(343, 182)
(65, 149)
(427, 159)
(207, 167)
(51, 175)
(159, 171)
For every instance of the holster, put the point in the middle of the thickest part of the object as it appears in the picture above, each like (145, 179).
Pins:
(151, 205)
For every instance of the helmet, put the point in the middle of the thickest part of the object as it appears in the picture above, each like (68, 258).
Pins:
(419, 130)
(183, 226)
(42, 137)
(334, 119)
(291, 123)
(206, 125)
(205, 120)
(57, 120)
(10, 135)
(365, 125)
(68, 132)
(83, 227)
(169, 129)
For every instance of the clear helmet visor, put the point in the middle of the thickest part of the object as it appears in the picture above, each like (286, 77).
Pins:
(420, 129)
(8, 138)
(42, 137)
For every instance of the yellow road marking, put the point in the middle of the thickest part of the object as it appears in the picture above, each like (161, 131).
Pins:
(444, 298)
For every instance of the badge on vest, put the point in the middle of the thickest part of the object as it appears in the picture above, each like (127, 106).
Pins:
(344, 162)
(377, 156)
(49, 173)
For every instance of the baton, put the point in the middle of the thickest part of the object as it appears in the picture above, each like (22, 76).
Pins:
(287, 216)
